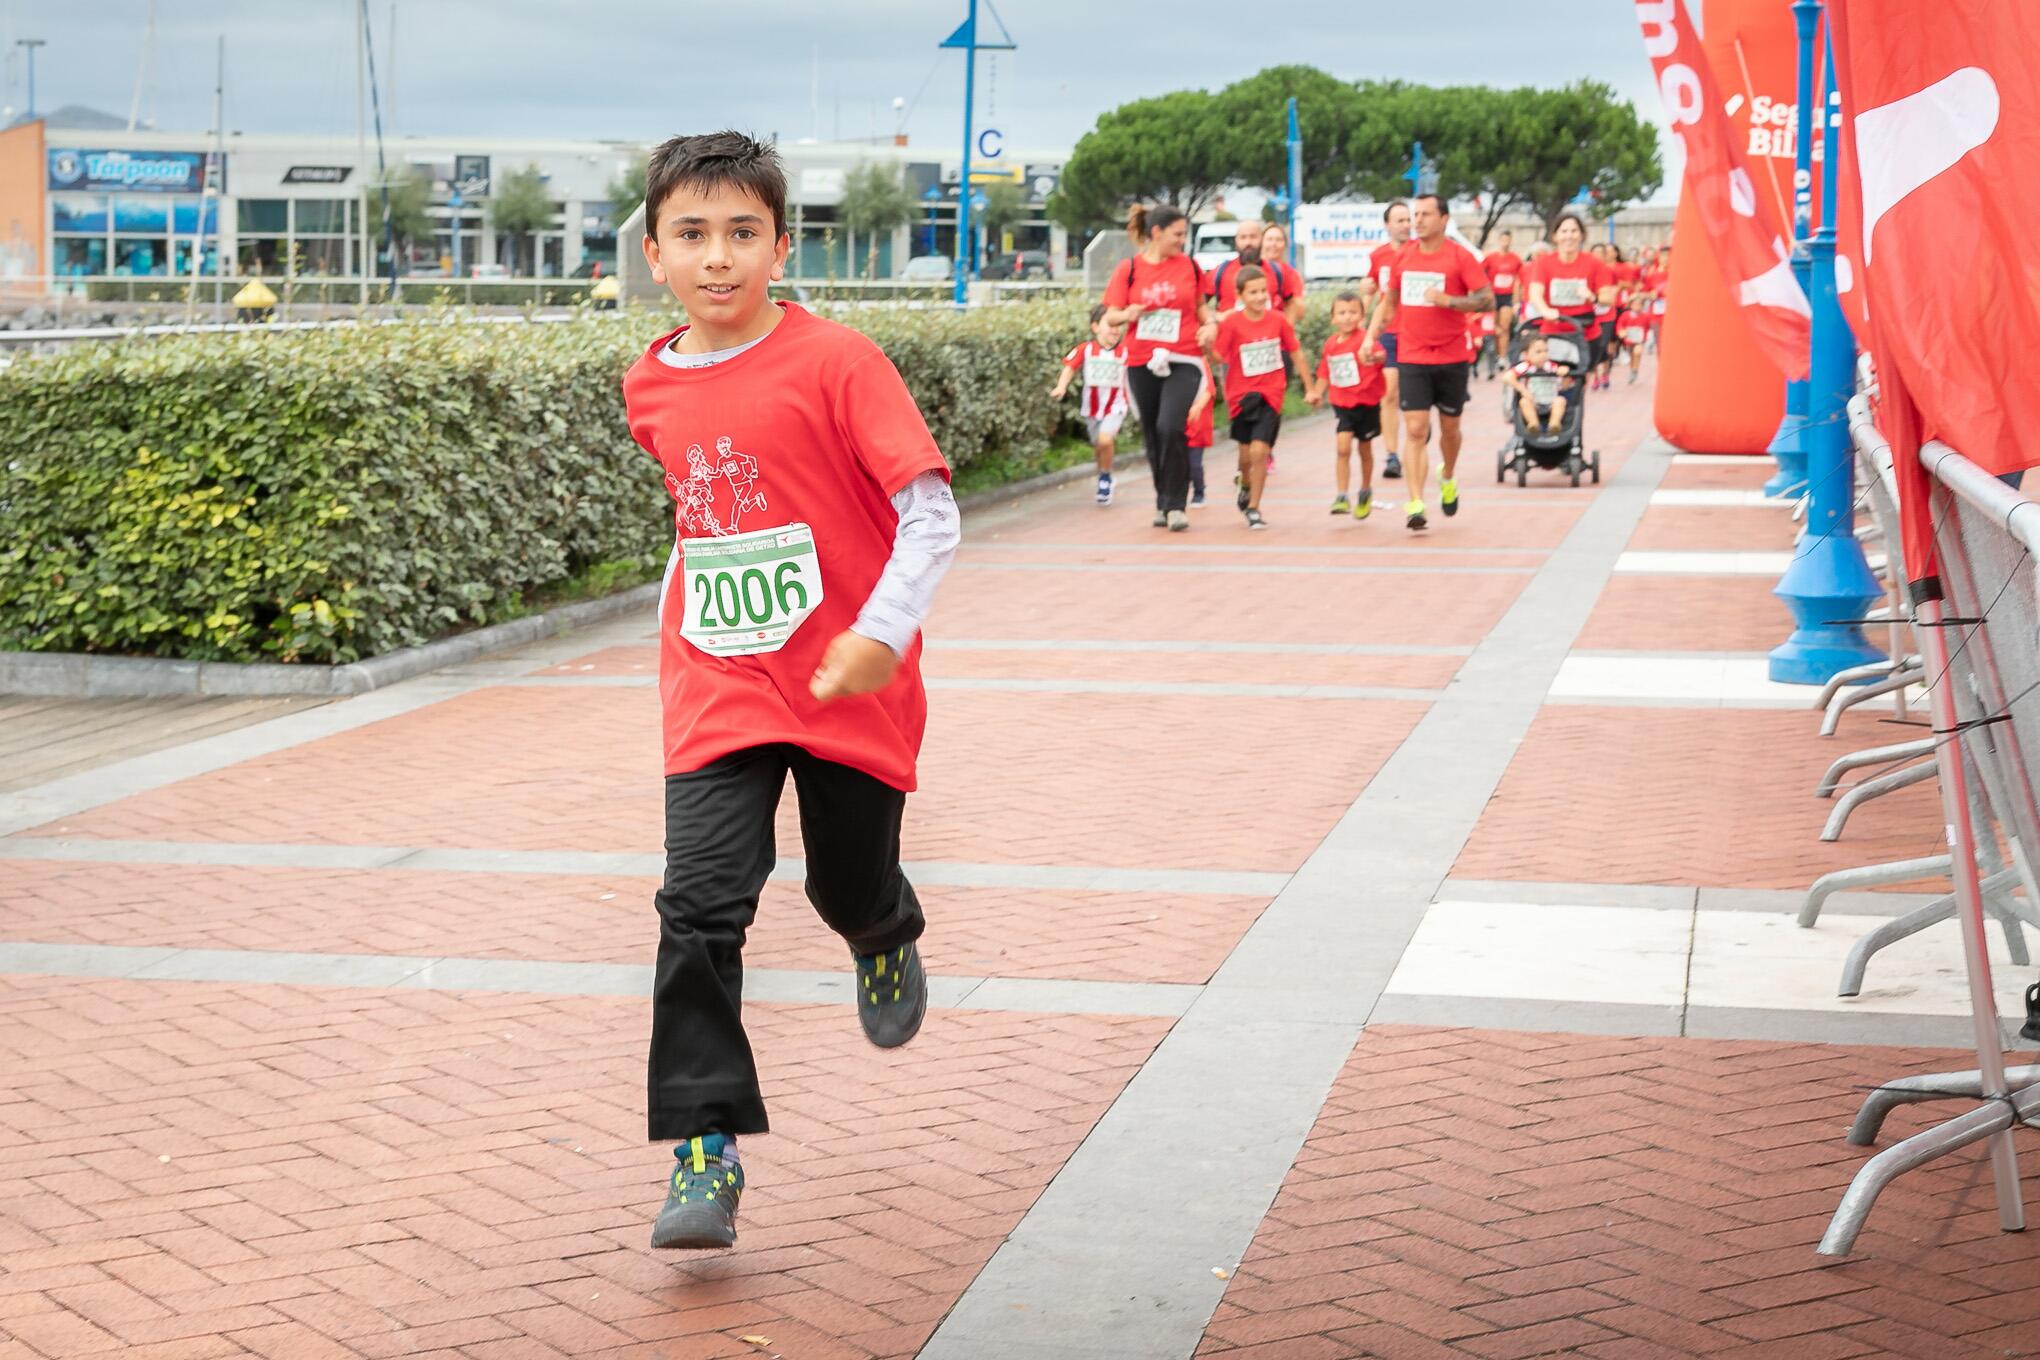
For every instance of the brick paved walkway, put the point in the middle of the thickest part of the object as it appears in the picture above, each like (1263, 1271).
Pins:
(1308, 983)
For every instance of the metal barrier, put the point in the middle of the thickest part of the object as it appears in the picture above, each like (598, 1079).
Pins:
(1984, 694)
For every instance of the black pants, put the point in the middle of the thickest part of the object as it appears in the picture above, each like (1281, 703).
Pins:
(1164, 406)
(719, 851)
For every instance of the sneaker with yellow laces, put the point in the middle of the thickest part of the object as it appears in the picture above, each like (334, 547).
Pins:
(892, 995)
(701, 1199)
(1448, 497)
(1413, 514)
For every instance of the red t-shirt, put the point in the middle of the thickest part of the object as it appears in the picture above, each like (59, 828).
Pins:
(1252, 354)
(1625, 273)
(813, 426)
(1099, 402)
(1583, 279)
(1284, 283)
(1503, 266)
(1199, 428)
(1173, 288)
(1632, 326)
(1378, 264)
(1368, 385)
(1433, 335)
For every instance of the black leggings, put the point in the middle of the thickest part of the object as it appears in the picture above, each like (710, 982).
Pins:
(1164, 406)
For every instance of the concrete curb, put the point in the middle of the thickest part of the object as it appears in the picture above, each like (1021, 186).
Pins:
(74, 675)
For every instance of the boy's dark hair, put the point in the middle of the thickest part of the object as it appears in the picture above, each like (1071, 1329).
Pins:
(1097, 314)
(1347, 295)
(1248, 274)
(715, 160)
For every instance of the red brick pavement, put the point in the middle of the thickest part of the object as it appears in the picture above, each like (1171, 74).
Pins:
(1081, 779)
(205, 1170)
(999, 932)
(1686, 614)
(1747, 475)
(1715, 797)
(1468, 1193)
(1715, 528)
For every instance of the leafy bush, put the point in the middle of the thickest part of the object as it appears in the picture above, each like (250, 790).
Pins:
(332, 494)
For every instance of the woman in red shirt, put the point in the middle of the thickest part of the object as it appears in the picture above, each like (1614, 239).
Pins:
(1159, 295)
(1567, 282)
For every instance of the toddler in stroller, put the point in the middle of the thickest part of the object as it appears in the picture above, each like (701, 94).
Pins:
(1546, 405)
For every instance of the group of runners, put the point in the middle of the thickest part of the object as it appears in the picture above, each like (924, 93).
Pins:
(1171, 341)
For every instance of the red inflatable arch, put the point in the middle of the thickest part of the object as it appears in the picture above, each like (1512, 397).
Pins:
(1716, 393)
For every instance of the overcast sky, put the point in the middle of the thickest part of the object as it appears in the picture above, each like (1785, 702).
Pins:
(639, 69)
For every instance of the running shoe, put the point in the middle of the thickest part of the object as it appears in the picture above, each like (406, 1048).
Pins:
(1197, 498)
(1633, 374)
(701, 1200)
(1104, 488)
(1178, 521)
(1392, 469)
(892, 995)
(1448, 497)
(1161, 519)
(1271, 462)
(1254, 520)
(1414, 513)
(1341, 506)
(1364, 506)
(1240, 493)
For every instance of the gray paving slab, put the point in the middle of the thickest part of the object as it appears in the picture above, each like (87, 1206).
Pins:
(1654, 895)
(989, 684)
(1788, 903)
(442, 859)
(80, 960)
(1515, 1013)
(1229, 1095)
(1240, 569)
(1064, 995)
(275, 966)
(1856, 1028)
(993, 544)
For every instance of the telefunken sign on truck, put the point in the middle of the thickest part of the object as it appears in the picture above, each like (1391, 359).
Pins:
(1337, 238)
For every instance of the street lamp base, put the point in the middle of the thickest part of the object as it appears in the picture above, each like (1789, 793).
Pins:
(1788, 447)
(1829, 581)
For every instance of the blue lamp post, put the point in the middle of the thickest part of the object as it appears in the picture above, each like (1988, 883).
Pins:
(1828, 581)
(978, 203)
(966, 37)
(1295, 194)
(1786, 445)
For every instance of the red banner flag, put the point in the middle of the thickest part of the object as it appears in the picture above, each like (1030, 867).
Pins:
(1749, 245)
(1939, 100)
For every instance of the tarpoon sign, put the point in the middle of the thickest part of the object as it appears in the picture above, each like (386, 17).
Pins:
(146, 172)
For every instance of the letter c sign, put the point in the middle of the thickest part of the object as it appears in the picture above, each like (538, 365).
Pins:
(990, 143)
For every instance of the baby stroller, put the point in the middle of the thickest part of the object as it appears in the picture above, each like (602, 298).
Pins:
(1563, 449)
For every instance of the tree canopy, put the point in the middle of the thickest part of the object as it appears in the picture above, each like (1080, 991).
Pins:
(1520, 148)
(521, 205)
(410, 199)
(875, 201)
(626, 191)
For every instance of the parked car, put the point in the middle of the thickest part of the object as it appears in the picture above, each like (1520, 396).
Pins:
(927, 269)
(1020, 265)
(489, 271)
(592, 269)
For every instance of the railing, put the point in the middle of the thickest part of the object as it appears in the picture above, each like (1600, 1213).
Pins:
(1984, 692)
(306, 290)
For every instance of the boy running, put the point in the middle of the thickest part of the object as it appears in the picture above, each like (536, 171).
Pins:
(789, 643)
(1102, 361)
(1353, 377)
(1251, 343)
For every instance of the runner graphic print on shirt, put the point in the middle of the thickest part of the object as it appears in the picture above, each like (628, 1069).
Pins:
(697, 496)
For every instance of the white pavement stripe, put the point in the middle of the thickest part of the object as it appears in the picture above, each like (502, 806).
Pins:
(589, 863)
(1249, 549)
(1689, 496)
(552, 978)
(1693, 681)
(1241, 569)
(1704, 563)
(942, 644)
(1279, 1019)
(1754, 462)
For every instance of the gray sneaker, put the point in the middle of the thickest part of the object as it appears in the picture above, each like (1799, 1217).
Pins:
(892, 995)
(701, 1198)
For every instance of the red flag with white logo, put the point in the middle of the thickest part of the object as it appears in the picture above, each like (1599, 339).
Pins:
(1939, 99)
(1750, 246)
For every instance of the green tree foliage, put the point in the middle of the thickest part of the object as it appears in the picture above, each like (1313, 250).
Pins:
(1341, 132)
(626, 191)
(875, 203)
(520, 206)
(410, 199)
(1169, 149)
(1005, 204)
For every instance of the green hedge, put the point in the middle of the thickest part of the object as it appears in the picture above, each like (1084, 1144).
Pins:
(332, 494)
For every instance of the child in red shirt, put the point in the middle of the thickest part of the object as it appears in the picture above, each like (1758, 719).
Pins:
(812, 519)
(1251, 344)
(1351, 373)
(1101, 361)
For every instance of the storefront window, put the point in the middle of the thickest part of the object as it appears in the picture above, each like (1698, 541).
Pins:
(142, 216)
(261, 255)
(264, 216)
(81, 256)
(321, 216)
(140, 255)
(323, 256)
(79, 213)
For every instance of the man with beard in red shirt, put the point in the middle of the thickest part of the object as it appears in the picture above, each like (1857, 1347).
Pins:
(1397, 219)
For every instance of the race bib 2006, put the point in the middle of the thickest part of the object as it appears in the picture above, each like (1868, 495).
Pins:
(1260, 356)
(748, 593)
(1344, 368)
(1416, 282)
(1543, 387)
(1165, 325)
(1568, 292)
(1104, 371)
(1504, 282)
